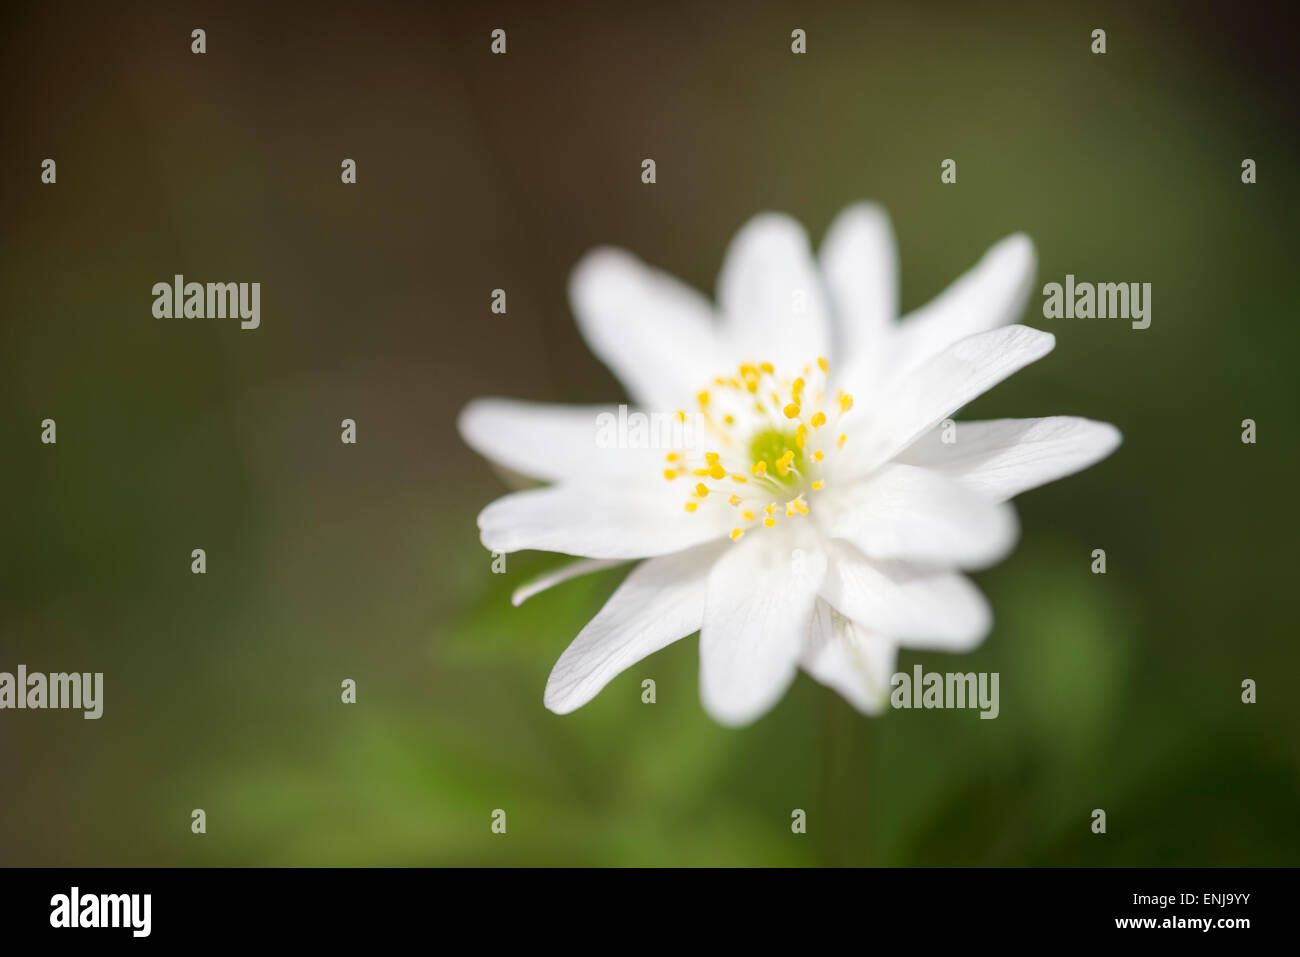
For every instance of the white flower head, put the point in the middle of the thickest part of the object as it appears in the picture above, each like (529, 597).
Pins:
(822, 512)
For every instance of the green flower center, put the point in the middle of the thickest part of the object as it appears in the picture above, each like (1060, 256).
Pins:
(775, 447)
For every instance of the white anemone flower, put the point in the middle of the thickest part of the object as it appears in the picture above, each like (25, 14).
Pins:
(822, 513)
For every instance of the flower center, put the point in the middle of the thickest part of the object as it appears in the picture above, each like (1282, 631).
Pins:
(771, 445)
(772, 438)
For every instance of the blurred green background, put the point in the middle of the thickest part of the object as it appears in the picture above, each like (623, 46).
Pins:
(328, 561)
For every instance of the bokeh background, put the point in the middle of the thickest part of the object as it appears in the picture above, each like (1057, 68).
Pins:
(475, 171)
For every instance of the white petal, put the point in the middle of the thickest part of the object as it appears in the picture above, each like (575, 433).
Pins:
(940, 387)
(853, 661)
(916, 607)
(622, 520)
(818, 629)
(755, 623)
(583, 566)
(661, 601)
(991, 294)
(859, 264)
(550, 442)
(655, 333)
(770, 294)
(917, 515)
(1003, 457)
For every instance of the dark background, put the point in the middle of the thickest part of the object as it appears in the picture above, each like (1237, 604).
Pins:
(476, 171)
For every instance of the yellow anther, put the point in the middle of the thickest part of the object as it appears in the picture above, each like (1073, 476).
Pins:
(846, 402)
(739, 478)
(818, 485)
(748, 371)
(681, 416)
(702, 473)
(735, 500)
(747, 516)
(736, 533)
(712, 457)
(759, 468)
(796, 388)
(823, 364)
(672, 457)
(701, 490)
(769, 522)
(670, 474)
(791, 411)
(839, 443)
(789, 509)
(818, 419)
(729, 419)
(703, 399)
(801, 436)
(766, 367)
(770, 509)
(717, 472)
(691, 506)
(819, 455)
(783, 463)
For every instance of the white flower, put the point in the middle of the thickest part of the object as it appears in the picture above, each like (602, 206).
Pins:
(822, 521)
